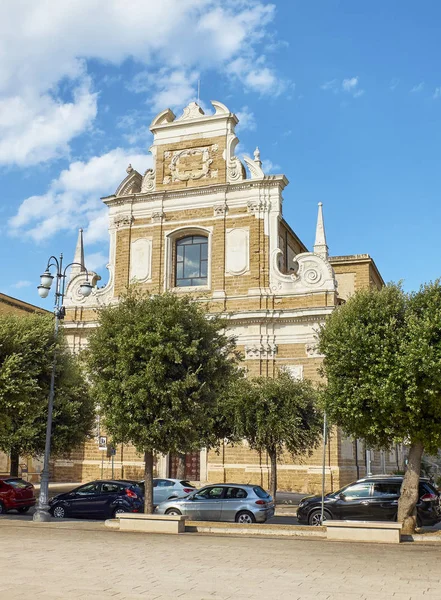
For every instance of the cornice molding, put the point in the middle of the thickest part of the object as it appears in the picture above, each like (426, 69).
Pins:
(270, 181)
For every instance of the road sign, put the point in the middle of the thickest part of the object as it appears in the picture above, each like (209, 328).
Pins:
(102, 442)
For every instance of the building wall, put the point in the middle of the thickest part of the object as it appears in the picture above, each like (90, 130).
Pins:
(274, 304)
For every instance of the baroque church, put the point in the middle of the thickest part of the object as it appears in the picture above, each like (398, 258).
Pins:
(206, 222)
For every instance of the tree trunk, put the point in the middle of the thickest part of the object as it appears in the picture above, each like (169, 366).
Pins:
(15, 459)
(180, 466)
(148, 482)
(273, 479)
(409, 489)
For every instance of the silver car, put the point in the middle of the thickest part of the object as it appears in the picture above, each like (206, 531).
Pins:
(163, 489)
(223, 502)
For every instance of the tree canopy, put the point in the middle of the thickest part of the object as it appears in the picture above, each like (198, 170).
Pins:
(382, 364)
(277, 414)
(160, 366)
(27, 345)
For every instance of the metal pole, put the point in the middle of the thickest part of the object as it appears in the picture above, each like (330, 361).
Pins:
(42, 512)
(368, 462)
(323, 468)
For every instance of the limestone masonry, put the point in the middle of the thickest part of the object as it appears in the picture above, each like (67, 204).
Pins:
(204, 222)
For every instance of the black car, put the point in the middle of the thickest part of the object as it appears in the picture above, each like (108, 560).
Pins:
(370, 499)
(99, 500)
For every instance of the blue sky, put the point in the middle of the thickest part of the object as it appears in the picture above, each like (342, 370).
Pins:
(343, 97)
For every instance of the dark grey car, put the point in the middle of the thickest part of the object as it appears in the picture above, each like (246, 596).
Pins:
(223, 502)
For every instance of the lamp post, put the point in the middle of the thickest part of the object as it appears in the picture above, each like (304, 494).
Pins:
(42, 512)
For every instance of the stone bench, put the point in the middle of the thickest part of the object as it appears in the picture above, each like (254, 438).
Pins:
(151, 523)
(364, 531)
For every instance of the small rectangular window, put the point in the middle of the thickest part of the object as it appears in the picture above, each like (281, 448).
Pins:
(386, 490)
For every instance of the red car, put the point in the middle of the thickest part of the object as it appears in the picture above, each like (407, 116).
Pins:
(16, 493)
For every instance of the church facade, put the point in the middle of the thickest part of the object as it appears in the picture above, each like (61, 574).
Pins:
(203, 222)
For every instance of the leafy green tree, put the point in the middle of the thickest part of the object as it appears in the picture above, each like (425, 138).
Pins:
(382, 364)
(160, 368)
(276, 414)
(27, 345)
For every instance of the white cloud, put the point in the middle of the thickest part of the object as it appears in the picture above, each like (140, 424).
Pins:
(96, 261)
(269, 167)
(348, 85)
(166, 88)
(437, 93)
(256, 76)
(73, 199)
(332, 85)
(46, 95)
(394, 84)
(417, 88)
(247, 121)
(35, 128)
(21, 284)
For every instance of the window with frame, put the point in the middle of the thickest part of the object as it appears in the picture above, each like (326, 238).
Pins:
(191, 261)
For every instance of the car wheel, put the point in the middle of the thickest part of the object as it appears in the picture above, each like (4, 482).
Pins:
(173, 511)
(315, 518)
(59, 512)
(245, 517)
(23, 509)
(2, 508)
(118, 511)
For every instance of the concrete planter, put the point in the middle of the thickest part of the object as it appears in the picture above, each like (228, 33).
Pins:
(364, 531)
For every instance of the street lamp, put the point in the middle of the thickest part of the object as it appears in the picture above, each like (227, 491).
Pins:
(46, 279)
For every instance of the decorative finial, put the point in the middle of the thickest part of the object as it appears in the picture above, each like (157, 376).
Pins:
(129, 169)
(257, 156)
(78, 266)
(320, 246)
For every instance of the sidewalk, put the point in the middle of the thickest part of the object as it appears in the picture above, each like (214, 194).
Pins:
(58, 561)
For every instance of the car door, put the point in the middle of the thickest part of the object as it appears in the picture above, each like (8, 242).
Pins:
(162, 490)
(384, 500)
(232, 502)
(109, 492)
(353, 503)
(85, 500)
(206, 505)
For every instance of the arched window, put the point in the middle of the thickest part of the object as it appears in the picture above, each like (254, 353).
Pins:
(191, 261)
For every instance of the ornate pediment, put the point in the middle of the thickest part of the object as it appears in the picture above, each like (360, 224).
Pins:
(192, 111)
(131, 184)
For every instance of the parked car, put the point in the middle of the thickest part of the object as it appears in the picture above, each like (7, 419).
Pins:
(223, 502)
(99, 500)
(371, 499)
(16, 493)
(165, 489)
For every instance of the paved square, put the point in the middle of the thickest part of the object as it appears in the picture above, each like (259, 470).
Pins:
(86, 561)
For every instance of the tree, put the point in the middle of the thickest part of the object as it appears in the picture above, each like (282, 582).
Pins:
(160, 367)
(274, 414)
(27, 345)
(382, 365)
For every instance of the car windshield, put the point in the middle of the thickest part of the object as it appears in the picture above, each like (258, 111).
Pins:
(17, 483)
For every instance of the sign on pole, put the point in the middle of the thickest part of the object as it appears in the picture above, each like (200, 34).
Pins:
(102, 442)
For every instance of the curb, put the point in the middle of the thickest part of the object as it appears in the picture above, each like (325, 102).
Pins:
(255, 529)
(216, 528)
